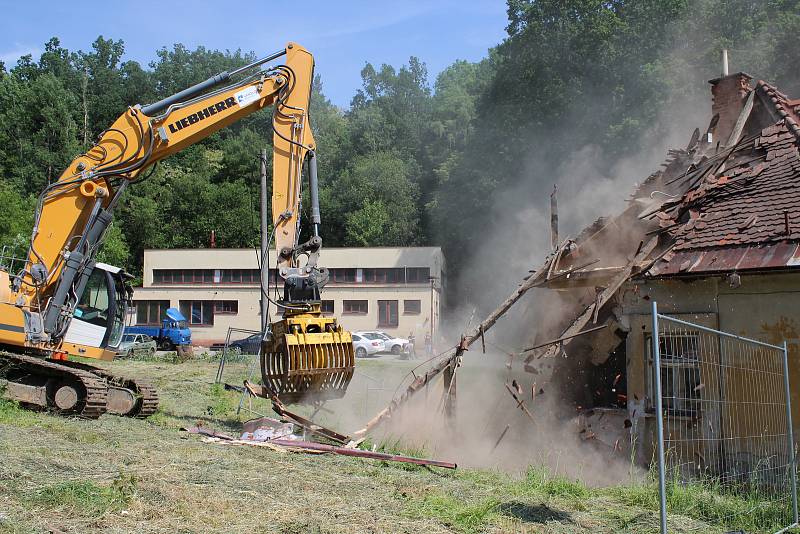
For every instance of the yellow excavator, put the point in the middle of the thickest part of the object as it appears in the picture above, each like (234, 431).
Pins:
(64, 303)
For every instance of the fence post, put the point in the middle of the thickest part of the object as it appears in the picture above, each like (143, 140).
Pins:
(662, 483)
(789, 431)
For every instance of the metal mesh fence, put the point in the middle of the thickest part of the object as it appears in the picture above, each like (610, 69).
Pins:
(724, 424)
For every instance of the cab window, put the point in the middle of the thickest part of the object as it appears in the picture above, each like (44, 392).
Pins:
(94, 304)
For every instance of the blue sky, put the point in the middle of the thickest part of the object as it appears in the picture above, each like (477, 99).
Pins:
(342, 35)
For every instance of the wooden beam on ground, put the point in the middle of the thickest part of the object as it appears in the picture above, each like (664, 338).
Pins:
(258, 390)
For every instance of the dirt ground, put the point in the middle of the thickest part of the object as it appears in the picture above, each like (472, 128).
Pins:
(122, 475)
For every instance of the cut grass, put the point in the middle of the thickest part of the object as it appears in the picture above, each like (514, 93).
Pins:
(126, 475)
(451, 512)
(87, 497)
(12, 414)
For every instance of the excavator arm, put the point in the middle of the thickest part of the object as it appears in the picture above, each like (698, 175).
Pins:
(74, 212)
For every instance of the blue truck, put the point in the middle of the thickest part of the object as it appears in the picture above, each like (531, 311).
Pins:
(173, 334)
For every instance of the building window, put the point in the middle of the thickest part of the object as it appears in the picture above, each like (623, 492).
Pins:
(343, 276)
(327, 306)
(211, 276)
(373, 276)
(384, 276)
(355, 307)
(230, 307)
(150, 311)
(418, 275)
(412, 307)
(387, 313)
(680, 373)
(183, 276)
(199, 312)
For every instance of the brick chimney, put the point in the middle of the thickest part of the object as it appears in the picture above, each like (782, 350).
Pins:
(728, 95)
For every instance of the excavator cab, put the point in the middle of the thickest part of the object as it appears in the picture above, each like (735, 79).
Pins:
(94, 331)
(99, 316)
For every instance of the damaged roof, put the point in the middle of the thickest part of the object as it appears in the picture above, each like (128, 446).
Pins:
(739, 207)
(729, 201)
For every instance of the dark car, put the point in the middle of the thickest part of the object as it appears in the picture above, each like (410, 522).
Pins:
(248, 345)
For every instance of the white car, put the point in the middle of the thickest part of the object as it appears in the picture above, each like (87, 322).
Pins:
(395, 345)
(367, 347)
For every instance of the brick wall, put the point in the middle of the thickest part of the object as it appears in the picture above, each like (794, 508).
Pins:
(728, 95)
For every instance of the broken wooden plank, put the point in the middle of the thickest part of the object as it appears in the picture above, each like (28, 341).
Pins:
(741, 120)
(581, 320)
(278, 407)
(563, 338)
(309, 425)
(520, 402)
(206, 432)
(502, 435)
(344, 451)
(554, 217)
(556, 258)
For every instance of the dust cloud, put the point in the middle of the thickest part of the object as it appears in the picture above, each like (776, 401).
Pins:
(489, 429)
(588, 187)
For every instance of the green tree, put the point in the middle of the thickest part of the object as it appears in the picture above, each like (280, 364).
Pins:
(114, 250)
(38, 136)
(16, 220)
(376, 185)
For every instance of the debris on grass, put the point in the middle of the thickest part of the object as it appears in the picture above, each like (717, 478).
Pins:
(265, 429)
(275, 435)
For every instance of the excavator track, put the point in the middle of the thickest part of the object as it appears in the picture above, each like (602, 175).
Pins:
(86, 391)
(49, 384)
(144, 395)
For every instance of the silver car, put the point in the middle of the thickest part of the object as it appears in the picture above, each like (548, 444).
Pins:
(136, 344)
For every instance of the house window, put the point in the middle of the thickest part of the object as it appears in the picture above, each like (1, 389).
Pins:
(418, 275)
(373, 276)
(230, 307)
(396, 276)
(412, 307)
(150, 311)
(252, 276)
(680, 373)
(183, 276)
(199, 312)
(343, 276)
(355, 307)
(387, 313)
(327, 306)
(393, 275)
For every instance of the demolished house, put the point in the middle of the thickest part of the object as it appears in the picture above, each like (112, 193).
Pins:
(713, 237)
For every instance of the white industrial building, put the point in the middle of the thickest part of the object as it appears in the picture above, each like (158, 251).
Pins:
(397, 290)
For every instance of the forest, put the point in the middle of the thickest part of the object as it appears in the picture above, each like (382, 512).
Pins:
(413, 160)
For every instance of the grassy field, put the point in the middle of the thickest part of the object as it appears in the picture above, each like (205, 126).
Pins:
(121, 475)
